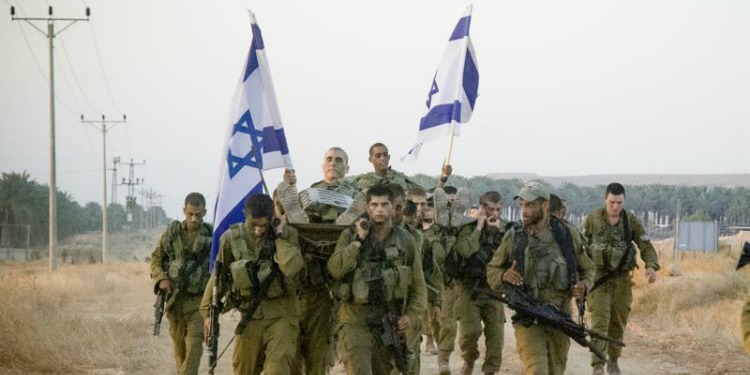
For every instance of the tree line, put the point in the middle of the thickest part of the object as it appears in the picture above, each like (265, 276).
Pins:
(24, 203)
(654, 204)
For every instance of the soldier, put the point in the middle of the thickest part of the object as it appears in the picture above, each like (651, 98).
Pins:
(383, 173)
(378, 274)
(433, 255)
(544, 258)
(179, 267)
(476, 242)
(317, 306)
(612, 236)
(256, 254)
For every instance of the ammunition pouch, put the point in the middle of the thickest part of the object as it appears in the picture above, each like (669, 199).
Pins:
(244, 280)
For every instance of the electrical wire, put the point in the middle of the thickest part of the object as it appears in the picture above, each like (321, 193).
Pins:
(75, 76)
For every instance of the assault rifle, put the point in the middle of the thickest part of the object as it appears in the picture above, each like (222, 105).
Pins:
(393, 341)
(161, 301)
(539, 312)
(214, 311)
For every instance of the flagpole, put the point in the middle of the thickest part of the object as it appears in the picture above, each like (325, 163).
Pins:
(465, 41)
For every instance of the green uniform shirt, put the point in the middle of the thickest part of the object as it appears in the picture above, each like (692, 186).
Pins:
(183, 255)
(545, 273)
(606, 245)
(344, 261)
(288, 258)
(392, 176)
(329, 213)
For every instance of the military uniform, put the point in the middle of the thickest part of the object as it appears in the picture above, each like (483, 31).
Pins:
(317, 305)
(328, 213)
(547, 275)
(746, 326)
(269, 341)
(609, 304)
(184, 259)
(395, 262)
(447, 338)
(392, 176)
(433, 254)
(475, 249)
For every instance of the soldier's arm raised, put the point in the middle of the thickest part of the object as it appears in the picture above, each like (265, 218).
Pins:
(288, 253)
(467, 240)
(344, 257)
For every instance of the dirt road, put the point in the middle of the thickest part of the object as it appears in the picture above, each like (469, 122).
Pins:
(637, 360)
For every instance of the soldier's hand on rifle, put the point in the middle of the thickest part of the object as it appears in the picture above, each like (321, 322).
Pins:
(290, 177)
(363, 228)
(651, 275)
(166, 285)
(206, 329)
(579, 290)
(512, 277)
(404, 323)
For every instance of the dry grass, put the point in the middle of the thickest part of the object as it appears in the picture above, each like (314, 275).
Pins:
(83, 318)
(96, 319)
(695, 312)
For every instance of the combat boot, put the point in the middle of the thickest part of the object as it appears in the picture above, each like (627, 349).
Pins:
(613, 368)
(443, 359)
(467, 368)
(459, 207)
(442, 211)
(354, 212)
(290, 202)
(598, 369)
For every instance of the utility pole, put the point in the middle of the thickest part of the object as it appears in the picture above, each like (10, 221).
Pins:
(115, 161)
(131, 183)
(50, 34)
(104, 175)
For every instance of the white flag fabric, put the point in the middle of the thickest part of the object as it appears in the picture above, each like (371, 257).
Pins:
(453, 92)
(255, 140)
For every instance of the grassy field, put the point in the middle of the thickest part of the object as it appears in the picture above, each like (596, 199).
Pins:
(97, 319)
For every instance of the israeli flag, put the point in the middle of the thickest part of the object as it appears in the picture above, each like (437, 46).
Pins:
(453, 92)
(255, 140)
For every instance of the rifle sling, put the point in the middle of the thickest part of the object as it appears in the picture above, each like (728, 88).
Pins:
(620, 269)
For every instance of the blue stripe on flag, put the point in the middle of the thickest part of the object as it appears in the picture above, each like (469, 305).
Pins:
(234, 216)
(252, 57)
(274, 140)
(462, 28)
(441, 114)
(471, 79)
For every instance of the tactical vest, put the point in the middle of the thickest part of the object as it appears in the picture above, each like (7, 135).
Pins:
(253, 264)
(610, 243)
(555, 270)
(188, 261)
(474, 268)
(383, 272)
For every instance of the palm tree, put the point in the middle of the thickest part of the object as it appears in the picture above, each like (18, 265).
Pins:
(14, 188)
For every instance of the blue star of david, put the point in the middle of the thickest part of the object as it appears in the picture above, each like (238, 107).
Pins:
(252, 159)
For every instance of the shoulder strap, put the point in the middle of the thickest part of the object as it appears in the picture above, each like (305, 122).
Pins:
(520, 242)
(565, 241)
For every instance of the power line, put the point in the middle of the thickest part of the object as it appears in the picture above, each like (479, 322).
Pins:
(75, 76)
(101, 67)
(50, 35)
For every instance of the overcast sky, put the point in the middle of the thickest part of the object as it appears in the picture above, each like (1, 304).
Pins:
(566, 87)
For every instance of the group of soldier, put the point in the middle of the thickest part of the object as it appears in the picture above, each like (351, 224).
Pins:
(406, 257)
